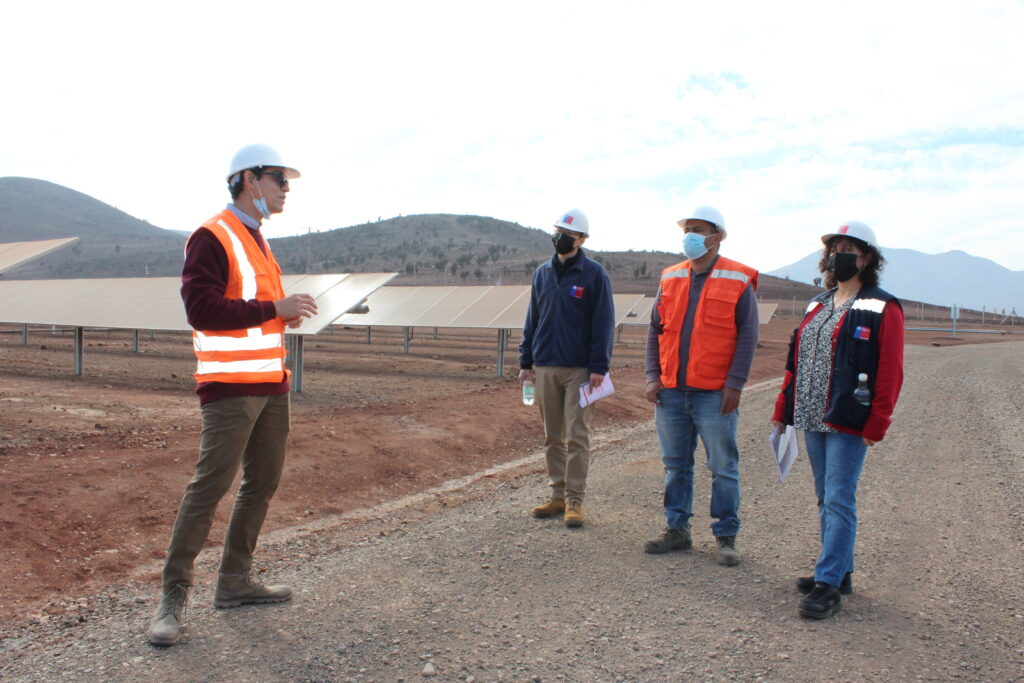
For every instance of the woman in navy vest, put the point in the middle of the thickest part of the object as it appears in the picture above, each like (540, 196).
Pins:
(843, 376)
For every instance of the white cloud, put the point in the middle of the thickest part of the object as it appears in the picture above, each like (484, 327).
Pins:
(790, 116)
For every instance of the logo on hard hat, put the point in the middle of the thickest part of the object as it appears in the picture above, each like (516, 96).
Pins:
(568, 219)
(844, 229)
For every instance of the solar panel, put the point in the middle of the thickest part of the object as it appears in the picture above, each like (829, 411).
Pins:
(486, 307)
(640, 314)
(501, 308)
(765, 312)
(14, 254)
(155, 303)
(624, 305)
(480, 307)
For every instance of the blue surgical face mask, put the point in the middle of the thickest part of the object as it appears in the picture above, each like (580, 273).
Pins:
(693, 245)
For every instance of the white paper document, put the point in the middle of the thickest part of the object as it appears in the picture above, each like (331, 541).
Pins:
(783, 443)
(587, 396)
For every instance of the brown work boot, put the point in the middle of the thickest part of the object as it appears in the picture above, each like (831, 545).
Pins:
(242, 589)
(166, 625)
(554, 506)
(574, 513)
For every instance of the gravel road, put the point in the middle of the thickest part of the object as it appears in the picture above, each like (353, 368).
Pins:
(461, 584)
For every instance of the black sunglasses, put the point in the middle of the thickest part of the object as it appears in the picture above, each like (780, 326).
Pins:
(278, 177)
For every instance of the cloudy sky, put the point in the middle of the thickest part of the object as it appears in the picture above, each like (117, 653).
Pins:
(790, 117)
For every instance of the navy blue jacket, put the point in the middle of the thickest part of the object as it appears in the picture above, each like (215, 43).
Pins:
(569, 323)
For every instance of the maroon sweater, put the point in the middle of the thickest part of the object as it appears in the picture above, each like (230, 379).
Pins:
(204, 278)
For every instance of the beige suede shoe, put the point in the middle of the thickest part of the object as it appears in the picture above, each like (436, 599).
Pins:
(554, 506)
(574, 513)
(235, 590)
(166, 625)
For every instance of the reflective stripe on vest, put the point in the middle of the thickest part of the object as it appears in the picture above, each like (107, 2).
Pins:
(274, 365)
(682, 272)
(730, 274)
(255, 354)
(247, 271)
(873, 305)
(713, 339)
(252, 341)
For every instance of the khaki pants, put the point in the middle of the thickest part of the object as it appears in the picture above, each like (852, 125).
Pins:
(246, 430)
(566, 428)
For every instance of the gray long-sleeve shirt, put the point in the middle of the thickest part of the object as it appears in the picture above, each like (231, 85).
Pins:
(746, 336)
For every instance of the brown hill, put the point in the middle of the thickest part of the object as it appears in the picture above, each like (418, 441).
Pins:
(423, 249)
(112, 244)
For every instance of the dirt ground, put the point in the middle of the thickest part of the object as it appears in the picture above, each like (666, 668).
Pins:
(93, 466)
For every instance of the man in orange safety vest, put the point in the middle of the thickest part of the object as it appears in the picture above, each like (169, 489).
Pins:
(231, 286)
(700, 346)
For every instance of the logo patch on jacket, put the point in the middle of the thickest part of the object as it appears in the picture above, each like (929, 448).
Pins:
(862, 333)
(576, 291)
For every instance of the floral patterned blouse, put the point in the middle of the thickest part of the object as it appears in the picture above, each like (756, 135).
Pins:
(814, 366)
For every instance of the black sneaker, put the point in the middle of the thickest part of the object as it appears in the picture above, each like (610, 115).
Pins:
(671, 539)
(822, 602)
(805, 584)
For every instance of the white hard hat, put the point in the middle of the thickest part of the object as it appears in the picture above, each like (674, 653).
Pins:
(574, 220)
(856, 230)
(706, 213)
(253, 156)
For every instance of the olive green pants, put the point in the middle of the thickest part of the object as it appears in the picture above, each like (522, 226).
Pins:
(250, 431)
(566, 428)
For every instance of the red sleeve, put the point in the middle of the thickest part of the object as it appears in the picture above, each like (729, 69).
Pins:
(780, 401)
(889, 376)
(203, 281)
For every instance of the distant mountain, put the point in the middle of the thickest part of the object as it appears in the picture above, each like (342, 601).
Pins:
(954, 277)
(112, 244)
(424, 249)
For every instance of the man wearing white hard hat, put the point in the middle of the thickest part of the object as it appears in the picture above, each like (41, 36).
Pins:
(700, 346)
(567, 342)
(231, 287)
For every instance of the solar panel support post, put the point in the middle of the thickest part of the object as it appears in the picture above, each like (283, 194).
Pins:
(135, 341)
(79, 339)
(619, 339)
(406, 335)
(24, 334)
(435, 333)
(368, 328)
(297, 347)
(503, 336)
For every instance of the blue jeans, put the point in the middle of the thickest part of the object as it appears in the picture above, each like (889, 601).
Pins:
(681, 417)
(836, 460)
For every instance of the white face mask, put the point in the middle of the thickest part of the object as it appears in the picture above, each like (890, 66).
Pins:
(261, 203)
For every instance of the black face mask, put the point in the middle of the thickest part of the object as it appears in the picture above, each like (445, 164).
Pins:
(843, 266)
(564, 242)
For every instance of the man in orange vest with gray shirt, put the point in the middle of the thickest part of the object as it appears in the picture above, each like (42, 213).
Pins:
(231, 286)
(700, 346)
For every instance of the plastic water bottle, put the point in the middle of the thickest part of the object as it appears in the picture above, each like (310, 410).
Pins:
(528, 393)
(862, 394)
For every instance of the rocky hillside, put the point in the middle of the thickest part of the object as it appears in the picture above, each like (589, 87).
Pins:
(424, 249)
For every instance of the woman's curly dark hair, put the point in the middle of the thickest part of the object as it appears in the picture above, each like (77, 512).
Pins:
(868, 276)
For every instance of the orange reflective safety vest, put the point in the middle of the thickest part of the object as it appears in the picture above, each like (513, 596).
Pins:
(713, 341)
(250, 355)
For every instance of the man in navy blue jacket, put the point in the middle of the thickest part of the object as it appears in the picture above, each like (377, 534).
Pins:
(567, 342)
